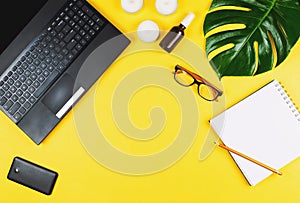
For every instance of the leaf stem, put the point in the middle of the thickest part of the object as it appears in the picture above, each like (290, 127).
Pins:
(257, 26)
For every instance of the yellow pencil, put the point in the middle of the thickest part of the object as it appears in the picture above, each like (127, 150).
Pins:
(248, 158)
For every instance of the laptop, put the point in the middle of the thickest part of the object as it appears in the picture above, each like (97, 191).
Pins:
(43, 46)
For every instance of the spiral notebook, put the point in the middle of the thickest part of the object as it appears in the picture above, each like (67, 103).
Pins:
(265, 126)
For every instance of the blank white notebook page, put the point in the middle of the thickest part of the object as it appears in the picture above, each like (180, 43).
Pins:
(263, 126)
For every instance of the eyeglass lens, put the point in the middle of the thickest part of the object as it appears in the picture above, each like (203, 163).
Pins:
(204, 90)
(184, 78)
(207, 92)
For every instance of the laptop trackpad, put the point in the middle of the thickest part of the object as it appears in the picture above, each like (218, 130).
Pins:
(59, 94)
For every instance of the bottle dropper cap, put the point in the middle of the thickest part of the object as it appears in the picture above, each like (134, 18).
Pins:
(188, 19)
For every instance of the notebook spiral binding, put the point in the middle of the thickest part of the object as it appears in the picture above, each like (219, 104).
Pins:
(288, 100)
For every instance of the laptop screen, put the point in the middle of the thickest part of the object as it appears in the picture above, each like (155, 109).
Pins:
(15, 18)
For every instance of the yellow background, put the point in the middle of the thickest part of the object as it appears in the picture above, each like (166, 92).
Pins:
(214, 179)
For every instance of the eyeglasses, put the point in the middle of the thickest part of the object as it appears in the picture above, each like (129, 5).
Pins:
(205, 89)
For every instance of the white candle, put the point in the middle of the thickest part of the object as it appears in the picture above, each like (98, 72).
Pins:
(166, 7)
(148, 31)
(132, 6)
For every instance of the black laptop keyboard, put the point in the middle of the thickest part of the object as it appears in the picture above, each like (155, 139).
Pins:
(47, 56)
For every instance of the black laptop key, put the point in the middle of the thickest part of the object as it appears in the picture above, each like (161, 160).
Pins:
(5, 87)
(22, 110)
(81, 23)
(3, 100)
(17, 116)
(66, 29)
(15, 98)
(27, 105)
(79, 3)
(60, 26)
(32, 100)
(46, 84)
(14, 108)
(7, 105)
(26, 95)
(70, 36)
(22, 100)
(87, 11)
(98, 20)
(71, 44)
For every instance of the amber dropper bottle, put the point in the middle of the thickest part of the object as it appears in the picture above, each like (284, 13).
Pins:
(175, 35)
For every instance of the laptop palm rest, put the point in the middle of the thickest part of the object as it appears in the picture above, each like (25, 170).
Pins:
(62, 96)
(53, 106)
(36, 126)
(59, 94)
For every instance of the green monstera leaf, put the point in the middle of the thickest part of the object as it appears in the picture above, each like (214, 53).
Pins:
(261, 35)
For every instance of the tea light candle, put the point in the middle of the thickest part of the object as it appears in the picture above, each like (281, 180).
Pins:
(148, 31)
(132, 6)
(166, 7)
